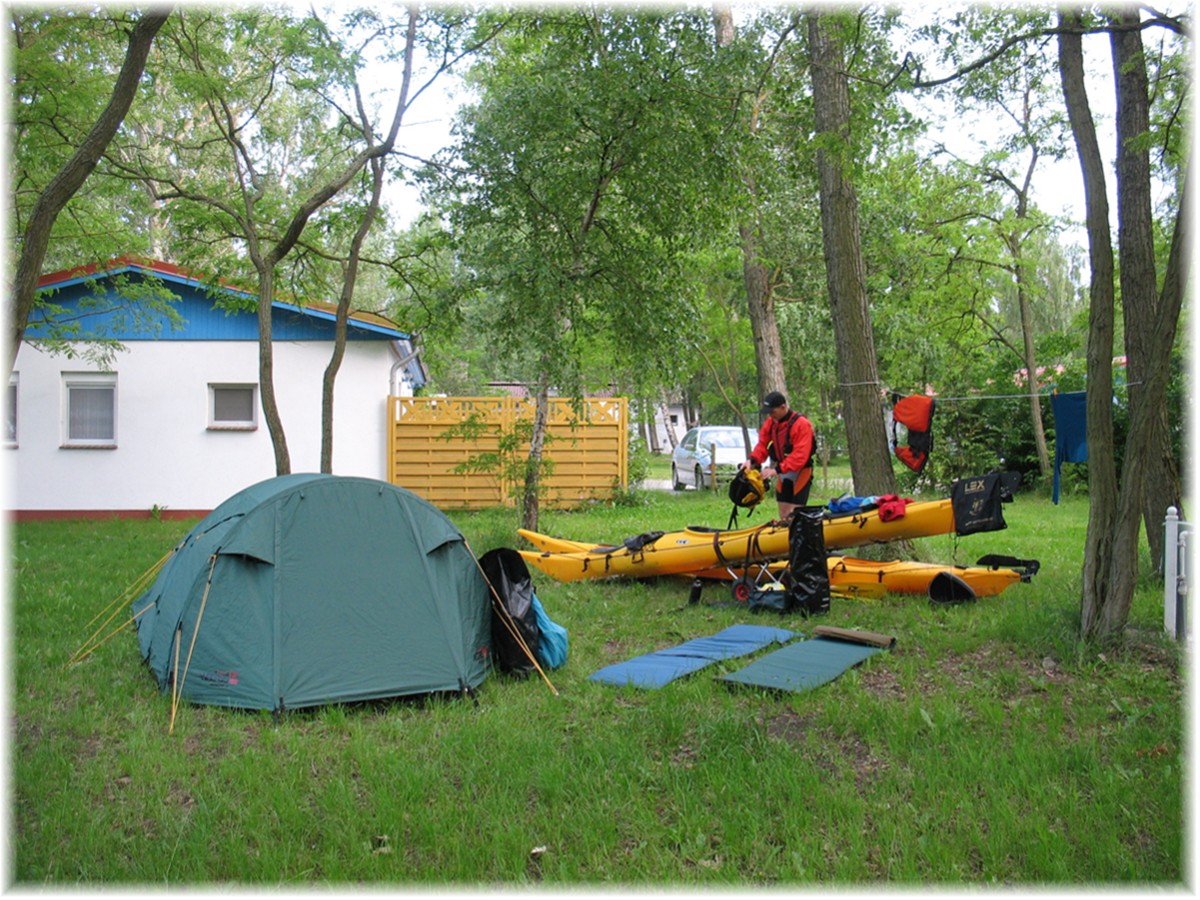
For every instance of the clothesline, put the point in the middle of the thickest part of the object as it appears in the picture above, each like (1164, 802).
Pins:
(940, 399)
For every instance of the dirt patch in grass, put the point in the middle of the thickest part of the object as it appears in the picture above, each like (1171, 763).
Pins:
(835, 751)
(789, 727)
(883, 683)
(964, 672)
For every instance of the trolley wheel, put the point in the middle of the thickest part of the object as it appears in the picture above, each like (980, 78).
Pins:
(741, 589)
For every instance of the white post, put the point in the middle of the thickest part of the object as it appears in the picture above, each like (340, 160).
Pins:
(1181, 591)
(1175, 575)
(1170, 569)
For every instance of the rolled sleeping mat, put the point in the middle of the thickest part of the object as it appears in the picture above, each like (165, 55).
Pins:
(870, 638)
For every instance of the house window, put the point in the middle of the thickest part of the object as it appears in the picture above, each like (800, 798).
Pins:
(90, 404)
(232, 407)
(10, 412)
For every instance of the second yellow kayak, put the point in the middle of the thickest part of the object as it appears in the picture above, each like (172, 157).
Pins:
(694, 549)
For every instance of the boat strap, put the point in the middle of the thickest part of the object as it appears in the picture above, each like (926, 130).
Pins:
(717, 549)
(995, 561)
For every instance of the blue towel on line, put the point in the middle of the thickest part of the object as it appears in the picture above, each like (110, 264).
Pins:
(1070, 432)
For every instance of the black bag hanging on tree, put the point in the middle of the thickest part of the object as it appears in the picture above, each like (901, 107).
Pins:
(808, 572)
(514, 620)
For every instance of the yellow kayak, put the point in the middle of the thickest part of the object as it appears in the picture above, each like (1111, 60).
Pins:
(848, 576)
(694, 549)
(868, 578)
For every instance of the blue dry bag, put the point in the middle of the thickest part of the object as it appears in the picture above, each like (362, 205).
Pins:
(552, 643)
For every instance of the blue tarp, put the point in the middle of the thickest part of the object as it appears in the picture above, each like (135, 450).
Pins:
(653, 670)
(804, 665)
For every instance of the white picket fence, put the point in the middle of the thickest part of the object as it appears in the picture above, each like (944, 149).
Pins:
(1175, 574)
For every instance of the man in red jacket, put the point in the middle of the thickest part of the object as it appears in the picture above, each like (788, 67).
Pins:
(785, 442)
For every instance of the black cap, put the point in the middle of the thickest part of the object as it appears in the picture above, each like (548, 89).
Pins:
(773, 400)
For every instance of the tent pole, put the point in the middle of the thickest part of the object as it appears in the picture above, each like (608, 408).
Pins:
(175, 681)
(195, 633)
(497, 603)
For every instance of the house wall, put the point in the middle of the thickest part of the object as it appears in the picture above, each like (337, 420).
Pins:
(165, 454)
(679, 420)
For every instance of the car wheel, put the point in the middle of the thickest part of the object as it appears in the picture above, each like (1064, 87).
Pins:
(700, 485)
(676, 484)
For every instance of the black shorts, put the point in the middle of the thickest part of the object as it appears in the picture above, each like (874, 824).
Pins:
(785, 489)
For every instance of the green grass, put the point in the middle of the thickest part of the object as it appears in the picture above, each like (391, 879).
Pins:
(987, 748)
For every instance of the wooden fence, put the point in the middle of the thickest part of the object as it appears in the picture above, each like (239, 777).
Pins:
(430, 437)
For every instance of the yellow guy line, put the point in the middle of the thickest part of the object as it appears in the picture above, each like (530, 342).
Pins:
(94, 641)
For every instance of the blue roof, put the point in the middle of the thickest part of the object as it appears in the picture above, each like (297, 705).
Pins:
(209, 314)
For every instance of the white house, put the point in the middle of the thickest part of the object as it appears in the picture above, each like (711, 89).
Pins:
(173, 423)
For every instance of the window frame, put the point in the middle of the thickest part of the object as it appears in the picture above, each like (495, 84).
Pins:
(88, 381)
(215, 424)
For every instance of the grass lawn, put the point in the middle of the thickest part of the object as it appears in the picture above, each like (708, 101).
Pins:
(988, 748)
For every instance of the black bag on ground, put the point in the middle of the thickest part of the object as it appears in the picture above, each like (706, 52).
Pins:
(514, 620)
(770, 599)
(808, 572)
(807, 575)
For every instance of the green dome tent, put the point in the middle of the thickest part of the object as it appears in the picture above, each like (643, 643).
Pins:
(304, 590)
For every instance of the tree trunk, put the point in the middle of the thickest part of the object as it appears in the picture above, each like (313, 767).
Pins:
(349, 279)
(531, 497)
(760, 299)
(70, 178)
(1139, 278)
(672, 437)
(647, 413)
(866, 434)
(1035, 402)
(266, 369)
(350, 276)
(1102, 470)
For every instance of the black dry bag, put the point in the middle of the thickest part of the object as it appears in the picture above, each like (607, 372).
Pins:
(808, 572)
(515, 632)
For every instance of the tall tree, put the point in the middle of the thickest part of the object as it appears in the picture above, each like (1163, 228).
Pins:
(444, 46)
(265, 155)
(1110, 567)
(759, 283)
(1102, 468)
(1139, 271)
(34, 236)
(575, 208)
(858, 373)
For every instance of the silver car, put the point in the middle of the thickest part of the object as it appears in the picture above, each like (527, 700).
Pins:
(691, 463)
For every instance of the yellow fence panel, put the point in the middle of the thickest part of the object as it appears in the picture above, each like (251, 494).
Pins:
(588, 449)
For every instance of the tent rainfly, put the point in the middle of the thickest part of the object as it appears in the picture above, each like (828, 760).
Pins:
(304, 590)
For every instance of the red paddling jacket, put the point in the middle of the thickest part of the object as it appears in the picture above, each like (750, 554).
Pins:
(789, 444)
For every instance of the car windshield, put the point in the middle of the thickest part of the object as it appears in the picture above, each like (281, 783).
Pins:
(726, 437)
